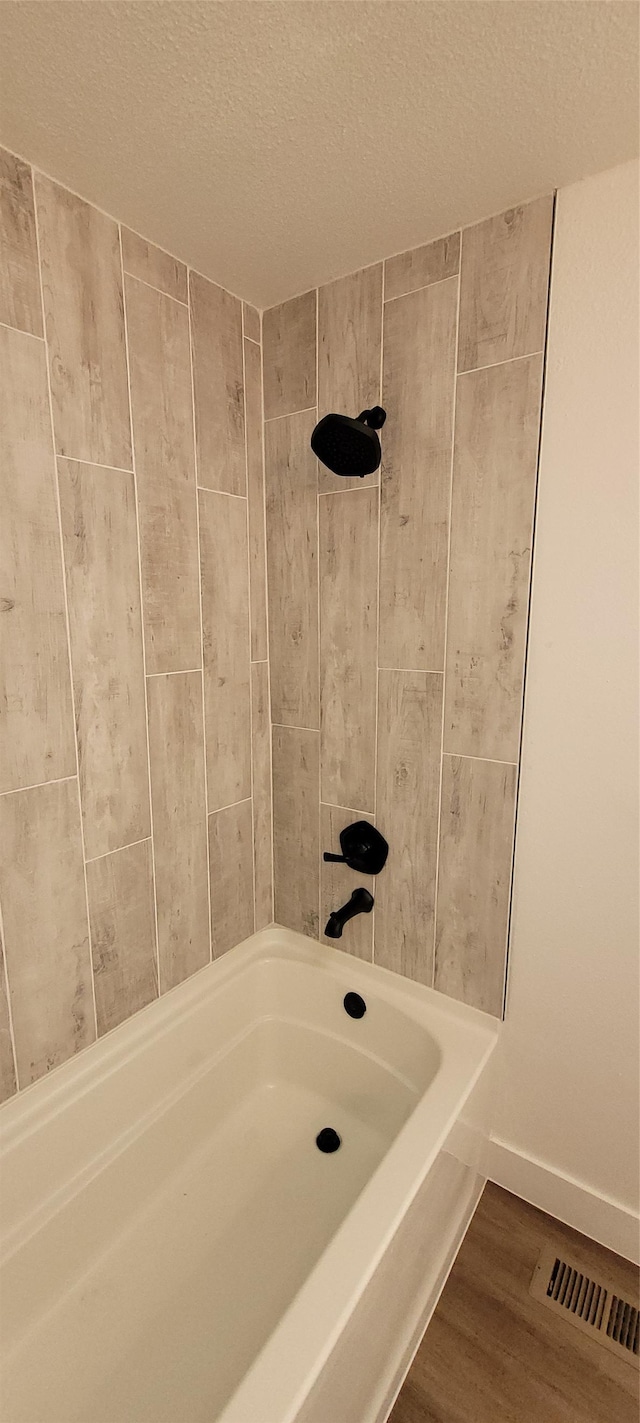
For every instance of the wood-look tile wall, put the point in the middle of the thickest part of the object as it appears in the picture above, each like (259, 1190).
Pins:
(398, 604)
(135, 752)
(196, 612)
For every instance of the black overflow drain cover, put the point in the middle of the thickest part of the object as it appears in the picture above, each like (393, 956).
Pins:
(355, 1006)
(327, 1139)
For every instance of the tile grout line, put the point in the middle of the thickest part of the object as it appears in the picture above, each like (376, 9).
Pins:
(364, 488)
(291, 726)
(205, 766)
(227, 492)
(424, 286)
(249, 616)
(492, 760)
(94, 464)
(151, 285)
(142, 626)
(12, 1036)
(288, 413)
(144, 839)
(66, 610)
(231, 806)
(446, 625)
(415, 671)
(56, 781)
(179, 672)
(331, 805)
(492, 365)
(379, 553)
(267, 615)
(6, 326)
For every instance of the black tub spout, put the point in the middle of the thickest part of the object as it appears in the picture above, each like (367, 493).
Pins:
(361, 902)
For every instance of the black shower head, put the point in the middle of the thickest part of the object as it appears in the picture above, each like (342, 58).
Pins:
(349, 447)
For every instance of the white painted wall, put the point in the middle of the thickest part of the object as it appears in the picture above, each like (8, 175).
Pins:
(568, 1121)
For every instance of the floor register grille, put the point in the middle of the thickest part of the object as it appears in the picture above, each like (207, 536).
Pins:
(595, 1306)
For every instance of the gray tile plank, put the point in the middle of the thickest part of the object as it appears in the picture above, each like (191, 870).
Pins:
(409, 735)
(20, 303)
(142, 259)
(158, 332)
(408, 271)
(37, 742)
(289, 349)
(98, 511)
(504, 280)
(225, 615)
(176, 752)
(123, 933)
(349, 341)
(476, 842)
(296, 801)
(418, 386)
(8, 1081)
(256, 496)
(44, 909)
(292, 559)
(218, 386)
(231, 876)
(348, 623)
(82, 290)
(262, 806)
(494, 477)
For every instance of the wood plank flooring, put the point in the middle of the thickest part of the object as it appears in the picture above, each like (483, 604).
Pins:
(494, 1355)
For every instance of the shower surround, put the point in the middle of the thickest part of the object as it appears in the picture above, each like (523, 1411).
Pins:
(135, 777)
(398, 603)
(136, 758)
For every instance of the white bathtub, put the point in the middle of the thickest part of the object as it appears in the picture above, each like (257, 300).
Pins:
(175, 1246)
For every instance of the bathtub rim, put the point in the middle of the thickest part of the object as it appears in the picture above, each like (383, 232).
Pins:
(38, 1101)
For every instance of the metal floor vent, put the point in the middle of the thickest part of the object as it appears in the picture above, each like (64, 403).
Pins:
(595, 1306)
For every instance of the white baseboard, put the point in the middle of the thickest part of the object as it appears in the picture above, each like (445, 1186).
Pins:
(597, 1216)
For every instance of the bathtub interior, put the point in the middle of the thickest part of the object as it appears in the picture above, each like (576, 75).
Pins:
(164, 1275)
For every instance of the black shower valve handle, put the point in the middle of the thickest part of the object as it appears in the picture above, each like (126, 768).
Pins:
(363, 848)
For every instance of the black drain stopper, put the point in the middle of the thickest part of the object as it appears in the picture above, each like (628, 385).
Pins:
(354, 1005)
(327, 1140)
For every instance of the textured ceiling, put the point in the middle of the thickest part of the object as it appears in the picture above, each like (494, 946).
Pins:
(278, 145)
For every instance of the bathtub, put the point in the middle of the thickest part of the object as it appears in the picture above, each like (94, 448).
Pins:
(175, 1246)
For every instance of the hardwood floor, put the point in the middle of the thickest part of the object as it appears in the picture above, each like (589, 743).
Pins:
(492, 1354)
